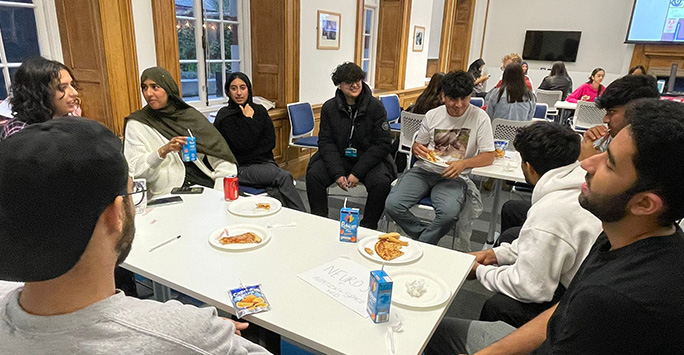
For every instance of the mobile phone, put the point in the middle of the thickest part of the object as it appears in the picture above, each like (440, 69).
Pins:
(164, 201)
(187, 190)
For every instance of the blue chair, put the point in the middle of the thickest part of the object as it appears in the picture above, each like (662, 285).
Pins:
(540, 111)
(477, 101)
(391, 103)
(301, 125)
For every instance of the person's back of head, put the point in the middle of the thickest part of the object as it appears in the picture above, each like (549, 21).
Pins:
(547, 145)
(431, 96)
(457, 84)
(657, 128)
(637, 70)
(57, 178)
(513, 57)
(474, 68)
(626, 89)
(558, 69)
(513, 83)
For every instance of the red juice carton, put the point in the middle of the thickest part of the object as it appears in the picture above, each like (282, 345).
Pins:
(349, 224)
(379, 296)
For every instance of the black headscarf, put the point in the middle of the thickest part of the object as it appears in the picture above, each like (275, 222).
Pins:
(177, 117)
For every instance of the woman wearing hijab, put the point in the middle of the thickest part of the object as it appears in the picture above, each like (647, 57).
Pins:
(155, 135)
(250, 134)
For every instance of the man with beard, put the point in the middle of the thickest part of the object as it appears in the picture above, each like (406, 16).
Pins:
(626, 296)
(66, 221)
(531, 274)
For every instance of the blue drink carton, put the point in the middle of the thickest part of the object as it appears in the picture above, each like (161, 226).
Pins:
(190, 150)
(379, 296)
(349, 224)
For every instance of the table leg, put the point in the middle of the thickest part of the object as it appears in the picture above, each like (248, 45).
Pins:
(161, 293)
(495, 211)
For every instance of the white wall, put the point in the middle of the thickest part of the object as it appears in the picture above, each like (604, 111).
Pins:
(416, 62)
(436, 26)
(603, 24)
(315, 65)
(144, 35)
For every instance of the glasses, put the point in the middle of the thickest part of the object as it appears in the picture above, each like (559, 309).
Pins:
(138, 194)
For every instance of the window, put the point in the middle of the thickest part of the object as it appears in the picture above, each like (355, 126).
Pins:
(208, 55)
(23, 34)
(369, 43)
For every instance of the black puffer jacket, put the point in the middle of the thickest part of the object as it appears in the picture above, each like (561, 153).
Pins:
(372, 137)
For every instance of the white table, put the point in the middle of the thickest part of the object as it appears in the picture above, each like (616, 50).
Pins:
(564, 106)
(498, 172)
(299, 311)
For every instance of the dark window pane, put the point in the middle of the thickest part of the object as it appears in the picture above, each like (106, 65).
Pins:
(18, 27)
(366, 46)
(215, 81)
(186, 39)
(365, 65)
(230, 39)
(369, 22)
(189, 82)
(230, 10)
(211, 9)
(232, 67)
(185, 8)
(214, 39)
(3, 90)
(22, 1)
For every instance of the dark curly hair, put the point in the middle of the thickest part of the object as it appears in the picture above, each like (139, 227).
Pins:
(626, 89)
(347, 72)
(34, 87)
(547, 145)
(657, 128)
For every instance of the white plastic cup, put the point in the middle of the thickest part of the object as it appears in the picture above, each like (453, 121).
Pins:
(661, 85)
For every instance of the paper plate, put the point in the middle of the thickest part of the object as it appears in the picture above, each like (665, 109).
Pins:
(247, 206)
(439, 162)
(437, 290)
(412, 252)
(236, 229)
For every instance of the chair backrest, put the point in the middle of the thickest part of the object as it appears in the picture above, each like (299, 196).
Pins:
(391, 103)
(549, 97)
(507, 129)
(410, 122)
(587, 115)
(477, 101)
(540, 111)
(301, 119)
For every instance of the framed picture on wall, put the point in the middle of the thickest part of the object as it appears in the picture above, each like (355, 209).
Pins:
(328, 33)
(418, 38)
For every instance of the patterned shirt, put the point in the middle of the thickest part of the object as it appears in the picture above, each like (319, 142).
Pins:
(11, 127)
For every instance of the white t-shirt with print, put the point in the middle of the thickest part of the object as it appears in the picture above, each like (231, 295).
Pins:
(454, 138)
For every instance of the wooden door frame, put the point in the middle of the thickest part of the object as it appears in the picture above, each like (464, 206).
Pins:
(448, 35)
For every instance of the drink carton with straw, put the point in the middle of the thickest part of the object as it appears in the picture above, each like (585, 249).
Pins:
(349, 223)
(190, 148)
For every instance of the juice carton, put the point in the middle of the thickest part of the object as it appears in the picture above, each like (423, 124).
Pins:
(349, 224)
(379, 296)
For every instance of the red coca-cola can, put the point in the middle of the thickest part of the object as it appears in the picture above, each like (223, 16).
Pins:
(230, 187)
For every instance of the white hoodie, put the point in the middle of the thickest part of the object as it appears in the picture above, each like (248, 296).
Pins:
(553, 242)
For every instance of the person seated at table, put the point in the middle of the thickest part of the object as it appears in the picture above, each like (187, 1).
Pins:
(249, 132)
(590, 90)
(530, 274)
(633, 269)
(461, 135)
(475, 70)
(512, 100)
(512, 58)
(354, 144)
(431, 97)
(41, 89)
(558, 80)
(66, 257)
(637, 70)
(155, 135)
(613, 100)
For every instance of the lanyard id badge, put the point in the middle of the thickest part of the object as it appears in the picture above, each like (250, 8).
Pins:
(351, 152)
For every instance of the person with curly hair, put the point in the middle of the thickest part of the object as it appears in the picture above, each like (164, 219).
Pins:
(41, 89)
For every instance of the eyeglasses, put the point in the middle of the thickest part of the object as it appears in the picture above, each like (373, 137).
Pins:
(138, 194)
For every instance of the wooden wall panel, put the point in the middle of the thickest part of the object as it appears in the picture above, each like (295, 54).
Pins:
(166, 36)
(268, 49)
(657, 59)
(432, 67)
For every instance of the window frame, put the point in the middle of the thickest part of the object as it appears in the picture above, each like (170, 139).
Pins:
(205, 103)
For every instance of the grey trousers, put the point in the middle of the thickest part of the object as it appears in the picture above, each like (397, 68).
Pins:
(274, 179)
(448, 197)
(463, 336)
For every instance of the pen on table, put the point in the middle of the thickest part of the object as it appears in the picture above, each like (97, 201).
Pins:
(164, 243)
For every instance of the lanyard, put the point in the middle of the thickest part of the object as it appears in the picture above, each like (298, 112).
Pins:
(353, 120)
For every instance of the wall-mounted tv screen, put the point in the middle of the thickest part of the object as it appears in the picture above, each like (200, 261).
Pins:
(656, 21)
(551, 45)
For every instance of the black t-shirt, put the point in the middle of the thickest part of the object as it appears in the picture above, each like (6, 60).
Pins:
(624, 301)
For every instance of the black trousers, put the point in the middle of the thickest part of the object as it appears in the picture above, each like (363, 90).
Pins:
(377, 182)
(503, 308)
(513, 216)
